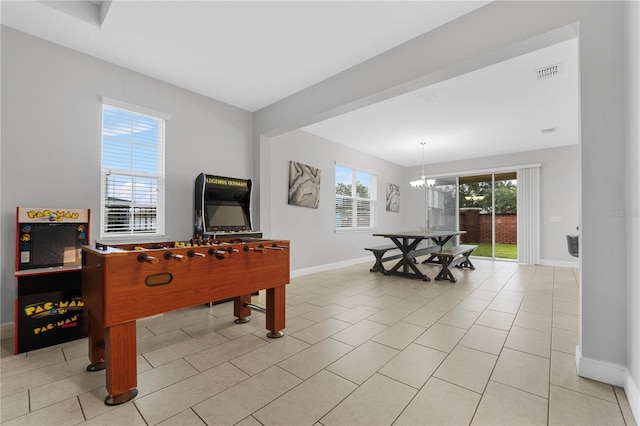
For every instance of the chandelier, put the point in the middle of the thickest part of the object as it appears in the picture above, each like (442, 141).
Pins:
(474, 197)
(423, 182)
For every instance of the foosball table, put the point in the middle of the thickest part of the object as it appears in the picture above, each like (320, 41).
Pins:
(126, 282)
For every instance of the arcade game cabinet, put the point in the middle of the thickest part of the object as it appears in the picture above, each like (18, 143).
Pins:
(223, 208)
(48, 308)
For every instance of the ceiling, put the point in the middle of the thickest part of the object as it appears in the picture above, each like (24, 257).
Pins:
(503, 108)
(251, 54)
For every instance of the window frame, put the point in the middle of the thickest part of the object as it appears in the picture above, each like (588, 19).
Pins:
(160, 214)
(373, 198)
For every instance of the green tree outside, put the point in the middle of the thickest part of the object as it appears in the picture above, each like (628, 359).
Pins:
(506, 194)
(362, 191)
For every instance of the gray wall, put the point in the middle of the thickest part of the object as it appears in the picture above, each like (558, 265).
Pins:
(311, 231)
(632, 179)
(51, 133)
(559, 187)
(496, 32)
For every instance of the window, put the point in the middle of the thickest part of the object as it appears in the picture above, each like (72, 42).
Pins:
(355, 198)
(132, 190)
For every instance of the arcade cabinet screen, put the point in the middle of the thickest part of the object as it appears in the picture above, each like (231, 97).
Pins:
(226, 215)
(54, 245)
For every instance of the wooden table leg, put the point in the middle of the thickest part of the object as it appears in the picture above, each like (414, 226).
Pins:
(406, 262)
(122, 373)
(276, 311)
(241, 309)
(96, 344)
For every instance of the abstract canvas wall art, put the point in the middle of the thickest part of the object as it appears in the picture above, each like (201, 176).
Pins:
(304, 185)
(393, 197)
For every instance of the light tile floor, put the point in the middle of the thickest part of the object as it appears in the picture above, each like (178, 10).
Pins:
(497, 347)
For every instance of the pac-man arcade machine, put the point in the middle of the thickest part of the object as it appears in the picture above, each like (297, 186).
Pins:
(48, 305)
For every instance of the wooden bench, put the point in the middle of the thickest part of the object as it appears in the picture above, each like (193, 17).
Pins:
(379, 252)
(457, 256)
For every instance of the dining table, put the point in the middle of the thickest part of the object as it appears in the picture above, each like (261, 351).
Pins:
(408, 242)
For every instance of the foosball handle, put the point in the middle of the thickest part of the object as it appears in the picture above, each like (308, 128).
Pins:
(177, 257)
(192, 253)
(142, 257)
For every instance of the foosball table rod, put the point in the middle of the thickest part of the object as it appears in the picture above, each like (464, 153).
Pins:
(256, 307)
(262, 246)
(193, 253)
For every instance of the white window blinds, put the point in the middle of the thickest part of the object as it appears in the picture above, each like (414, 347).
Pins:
(132, 172)
(355, 198)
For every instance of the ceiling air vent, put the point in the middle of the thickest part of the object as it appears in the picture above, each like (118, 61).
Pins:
(548, 72)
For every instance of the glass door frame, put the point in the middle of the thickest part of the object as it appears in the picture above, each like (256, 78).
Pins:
(493, 173)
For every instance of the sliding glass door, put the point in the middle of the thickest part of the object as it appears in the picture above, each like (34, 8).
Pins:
(488, 212)
(442, 210)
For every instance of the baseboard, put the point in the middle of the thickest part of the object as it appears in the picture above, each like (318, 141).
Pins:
(602, 371)
(613, 374)
(330, 266)
(633, 395)
(7, 329)
(560, 263)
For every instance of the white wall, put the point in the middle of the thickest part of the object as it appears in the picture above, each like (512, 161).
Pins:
(559, 187)
(311, 231)
(51, 133)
